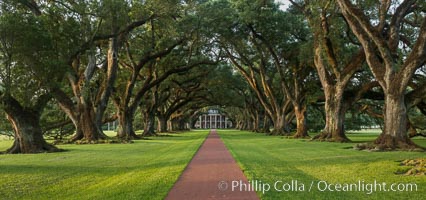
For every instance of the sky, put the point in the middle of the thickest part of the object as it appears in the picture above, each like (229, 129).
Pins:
(284, 4)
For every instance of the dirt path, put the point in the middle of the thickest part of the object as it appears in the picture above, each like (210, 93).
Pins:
(210, 175)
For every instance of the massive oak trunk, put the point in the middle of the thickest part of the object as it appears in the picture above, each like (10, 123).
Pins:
(131, 99)
(26, 125)
(86, 127)
(334, 116)
(255, 121)
(280, 125)
(178, 124)
(395, 125)
(108, 84)
(294, 94)
(149, 128)
(302, 129)
(238, 125)
(266, 124)
(334, 67)
(125, 125)
(28, 136)
(162, 124)
(392, 67)
(256, 78)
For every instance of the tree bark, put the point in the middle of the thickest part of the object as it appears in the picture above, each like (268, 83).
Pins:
(81, 113)
(394, 135)
(162, 124)
(302, 129)
(149, 128)
(296, 94)
(334, 130)
(178, 124)
(334, 68)
(280, 125)
(392, 68)
(28, 136)
(266, 124)
(264, 92)
(86, 127)
(125, 125)
(26, 125)
(111, 76)
(254, 115)
(238, 125)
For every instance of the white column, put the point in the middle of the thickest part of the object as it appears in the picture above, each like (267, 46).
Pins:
(211, 121)
(199, 122)
(205, 121)
(217, 122)
(226, 122)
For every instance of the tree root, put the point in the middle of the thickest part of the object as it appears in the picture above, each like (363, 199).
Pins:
(388, 143)
(279, 133)
(301, 136)
(416, 167)
(44, 148)
(149, 134)
(328, 137)
(417, 135)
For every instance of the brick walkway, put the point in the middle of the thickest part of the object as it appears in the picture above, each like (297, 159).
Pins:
(210, 173)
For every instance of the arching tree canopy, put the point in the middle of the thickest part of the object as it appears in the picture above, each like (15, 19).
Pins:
(334, 64)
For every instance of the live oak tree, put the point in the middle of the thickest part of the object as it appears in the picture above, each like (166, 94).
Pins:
(415, 101)
(24, 51)
(221, 86)
(245, 109)
(181, 93)
(25, 121)
(174, 101)
(284, 44)
(241, 104)
(266, 54)
(262, 81)
(132, 94)
(228, 89)
(169, 44)
(207, 86)
(177, 92)
(252, 62)
(139, 73)
(95, 36)
(394, 41)
(55, 123)
(86, 36)
(250, 114)
(337, 58)
(156, 58)
(156, 73)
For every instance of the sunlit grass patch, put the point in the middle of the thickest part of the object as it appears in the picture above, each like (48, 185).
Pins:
(145, 169)
(270, 159)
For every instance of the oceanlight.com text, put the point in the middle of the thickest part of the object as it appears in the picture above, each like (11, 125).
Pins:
(321, 186)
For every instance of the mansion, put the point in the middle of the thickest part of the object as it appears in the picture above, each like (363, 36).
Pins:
(213, 119)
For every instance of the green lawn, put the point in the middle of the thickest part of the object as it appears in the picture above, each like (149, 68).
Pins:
(146, 169)
(270, 159)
